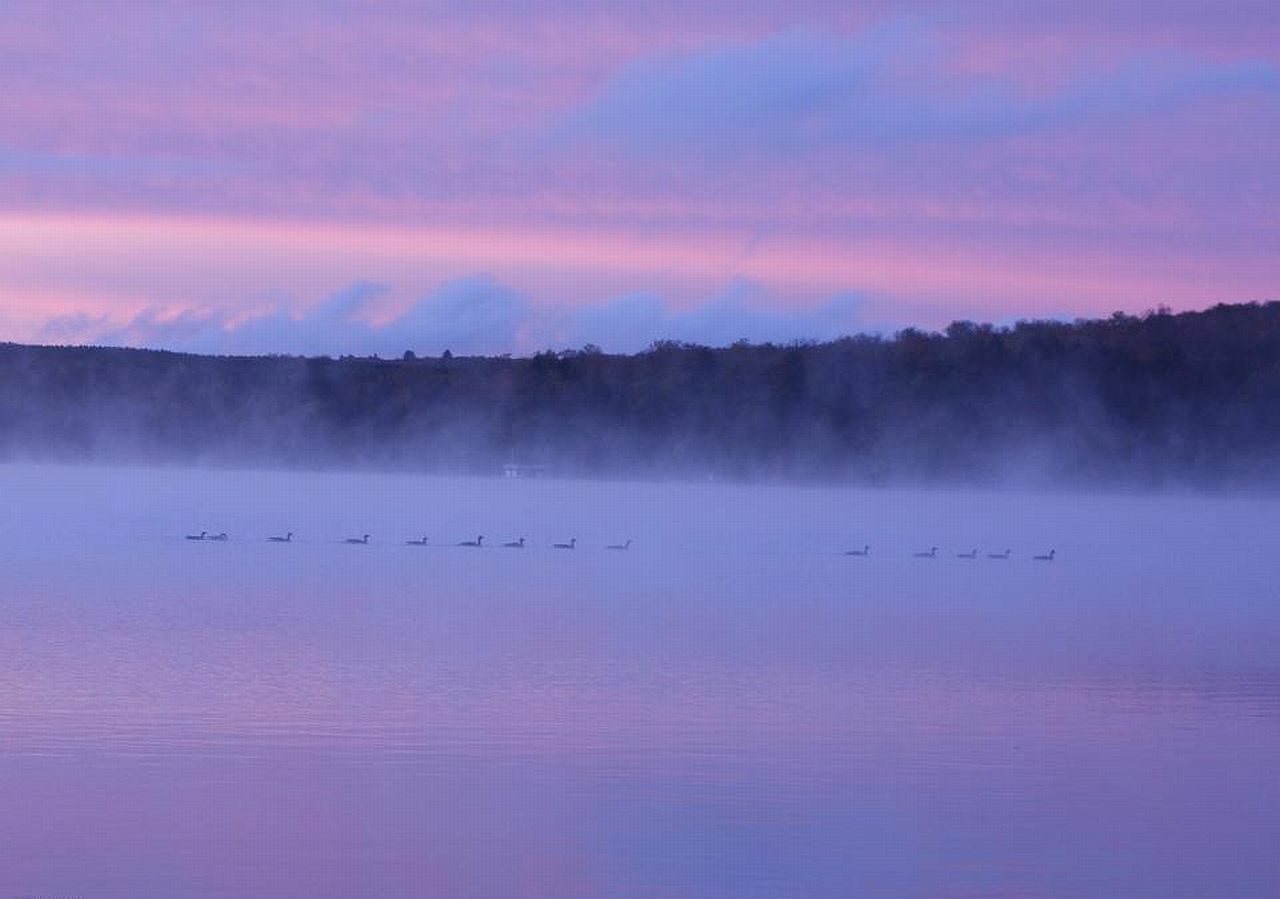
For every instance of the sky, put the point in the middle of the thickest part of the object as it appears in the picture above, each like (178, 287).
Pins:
(492, 176)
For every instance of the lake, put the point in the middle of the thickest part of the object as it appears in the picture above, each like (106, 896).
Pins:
(732, 707)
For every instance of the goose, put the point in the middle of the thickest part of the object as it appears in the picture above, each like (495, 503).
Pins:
(865, 551)
(969, 555)
(199, 536)
(626, 545)
(287, 538)
(570, 545)
(476, 542)
(515, 544)
(222, 538)
(422, 542)
(932, 553)
(1003, 555)
(364, 539)
(1046, 558)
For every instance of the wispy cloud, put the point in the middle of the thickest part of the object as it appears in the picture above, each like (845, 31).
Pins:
(471, 316)
(889, 85)
(14, 161)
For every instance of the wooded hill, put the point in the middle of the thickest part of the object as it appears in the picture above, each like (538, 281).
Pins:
(1192, 398)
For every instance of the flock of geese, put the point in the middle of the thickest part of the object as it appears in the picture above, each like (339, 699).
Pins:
(364, 539)
(519, 543)
(932, 553)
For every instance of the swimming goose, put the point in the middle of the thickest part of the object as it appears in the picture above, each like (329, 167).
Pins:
(364, 539)
(865, 551)
(515, 544)
(476, 542)
(1003, 555)
(287, 538)
(971, 555)
(570, 545)
(929, 555)
(199, 536)
(626, 545)
(422, 542)
(1047, 558)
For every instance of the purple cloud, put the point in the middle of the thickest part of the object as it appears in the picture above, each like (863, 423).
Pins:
(470, 316)
(742, 312)
(803, 91)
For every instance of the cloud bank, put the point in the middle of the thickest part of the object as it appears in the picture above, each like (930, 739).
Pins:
(471, 316)
(804, 91)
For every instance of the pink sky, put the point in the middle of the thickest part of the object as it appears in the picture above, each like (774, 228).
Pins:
(505, 177)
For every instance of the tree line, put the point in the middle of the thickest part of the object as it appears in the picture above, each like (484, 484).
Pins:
(1150, 399)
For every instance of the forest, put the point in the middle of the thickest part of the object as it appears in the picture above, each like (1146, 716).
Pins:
(1141, 400)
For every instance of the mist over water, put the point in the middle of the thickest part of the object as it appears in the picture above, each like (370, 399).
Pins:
(732, 707)
(1147, 402)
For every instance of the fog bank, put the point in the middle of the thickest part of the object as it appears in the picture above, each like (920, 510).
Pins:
(1146, 401)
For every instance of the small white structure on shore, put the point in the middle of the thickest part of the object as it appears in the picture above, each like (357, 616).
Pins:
(521, 470)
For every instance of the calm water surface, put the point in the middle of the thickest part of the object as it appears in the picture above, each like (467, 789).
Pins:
(732, 708)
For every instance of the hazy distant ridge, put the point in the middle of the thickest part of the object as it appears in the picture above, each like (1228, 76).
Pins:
(1193, 398)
